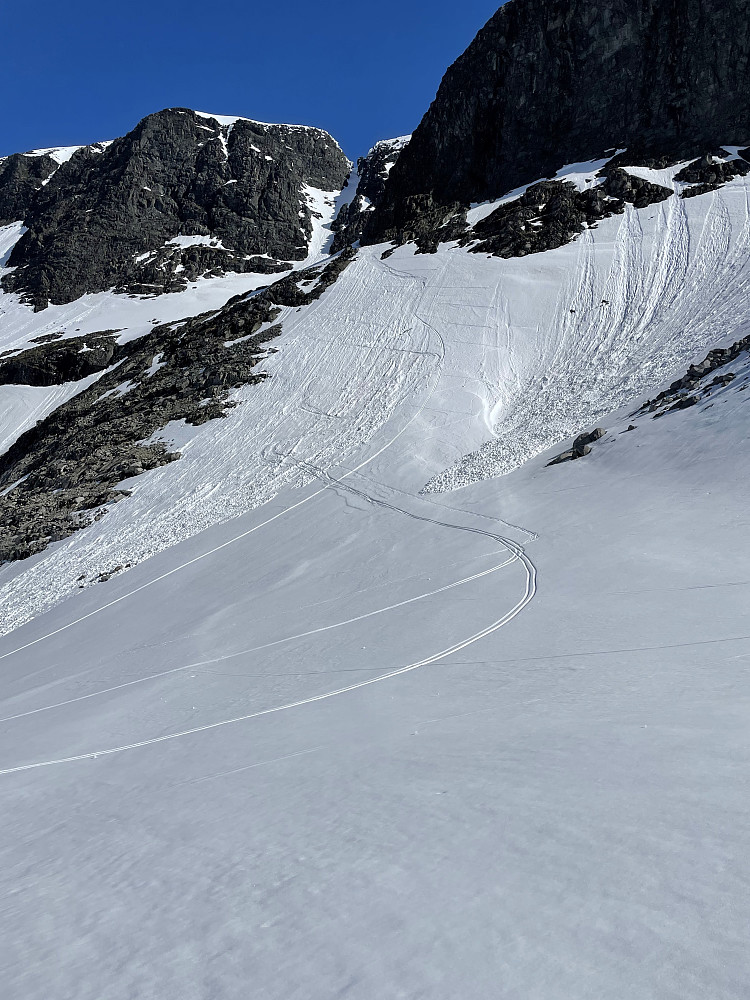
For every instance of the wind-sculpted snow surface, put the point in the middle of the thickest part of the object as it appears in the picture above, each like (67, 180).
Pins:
(341, 721)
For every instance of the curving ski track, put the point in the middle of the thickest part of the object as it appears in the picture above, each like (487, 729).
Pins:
(309, 469)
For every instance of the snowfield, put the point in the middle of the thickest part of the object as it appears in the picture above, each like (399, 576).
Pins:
(386, 707)
(477, 364)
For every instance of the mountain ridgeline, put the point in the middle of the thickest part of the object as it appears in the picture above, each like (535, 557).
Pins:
(180, 196)
(551, 82)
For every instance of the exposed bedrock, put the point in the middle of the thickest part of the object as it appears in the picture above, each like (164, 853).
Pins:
(105, 219)
(550, 82)
(21, 176)
(372, 171)
(694, 385)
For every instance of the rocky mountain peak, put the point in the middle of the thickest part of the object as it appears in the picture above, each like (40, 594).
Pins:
(182, 195)
(373, 171)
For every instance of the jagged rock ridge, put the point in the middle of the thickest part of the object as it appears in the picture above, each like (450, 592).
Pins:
(23, 174)
(182, 195)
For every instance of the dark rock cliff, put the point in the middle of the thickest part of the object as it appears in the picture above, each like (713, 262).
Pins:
(549, 82)
(372, 173)
(21, 176)
(105, 219)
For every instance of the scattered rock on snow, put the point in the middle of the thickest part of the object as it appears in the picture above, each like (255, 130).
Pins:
(581, 447)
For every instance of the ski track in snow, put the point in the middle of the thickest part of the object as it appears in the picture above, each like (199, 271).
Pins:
(528, 351)
(673, 288)
(517, 554)
(266, 645)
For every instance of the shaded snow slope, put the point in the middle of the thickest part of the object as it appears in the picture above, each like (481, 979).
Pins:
(25, 405)
(442, 756)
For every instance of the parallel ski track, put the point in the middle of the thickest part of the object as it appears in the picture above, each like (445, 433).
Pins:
(528, 595)
(690, 284)
(516, 550)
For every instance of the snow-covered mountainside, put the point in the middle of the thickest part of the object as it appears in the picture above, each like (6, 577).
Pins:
(331, 706)
(379, 628)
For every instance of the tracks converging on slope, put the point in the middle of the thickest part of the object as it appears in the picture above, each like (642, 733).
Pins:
(528, 595)
(516, 555)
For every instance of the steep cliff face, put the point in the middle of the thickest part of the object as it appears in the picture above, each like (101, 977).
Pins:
(183, 194)
(373, 171)
(21, 176)
(550, 82)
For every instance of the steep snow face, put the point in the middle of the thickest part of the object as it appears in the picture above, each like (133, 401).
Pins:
(635, 298)
(23, 406)
(9, 236)
(461, 368)
(350, 720)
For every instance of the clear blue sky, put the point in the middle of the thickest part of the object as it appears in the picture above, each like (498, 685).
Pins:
(83, 70)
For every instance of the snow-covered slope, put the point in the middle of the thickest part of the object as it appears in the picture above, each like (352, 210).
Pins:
(493, 360)
(319, 749)
(366, 718)
(136, 315)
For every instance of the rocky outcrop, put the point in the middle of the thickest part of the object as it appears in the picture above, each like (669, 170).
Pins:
(551, 214)
(710, 171)
(67, 360)
(696, 384)
(180, 196)
(580, 448)
(550, 82)
(21, 176)
(372, 173)
(63, 473)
